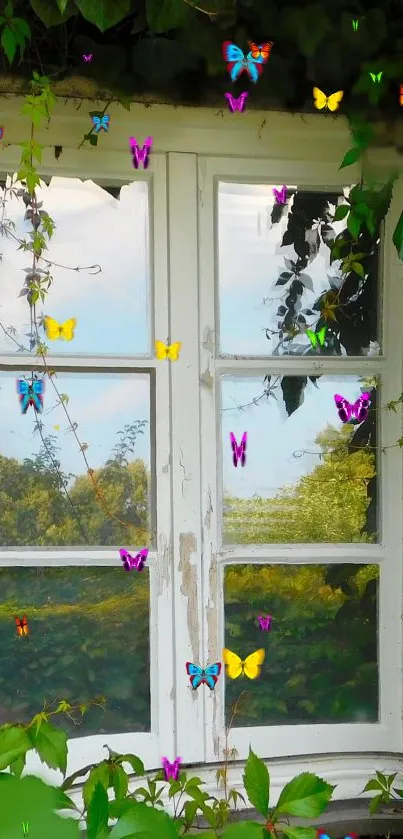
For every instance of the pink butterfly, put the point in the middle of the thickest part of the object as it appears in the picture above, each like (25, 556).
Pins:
(141, 155)
(239, 452)
(87, 57)
(236, 104)
(130, 562)
(265, 623)
(280, 196)
(358, 410)
(171, 769)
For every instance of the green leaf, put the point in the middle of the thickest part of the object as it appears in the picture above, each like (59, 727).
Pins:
(257, 783)
(134, 761)
(371, 785)
(244, 830)
(306, 796)
(358, 269)
(9, 43)
(341, 212)
(14, 743)
(118, 780)
(298, 832)
(308, 27)
(99, 774)
(97, 815)
(49, 15)
(62, 5)
(50, 744)
(354, 224)
(21, 28)
(398, 236)
(17, 766)
(30, 800)
(351, 157)
(374, 804)
(144, 822)
(103, 13)
(163, 15)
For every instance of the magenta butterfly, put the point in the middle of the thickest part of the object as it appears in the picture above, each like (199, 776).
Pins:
(87, 57)
(130, 562)
(280, 195)
(141, 155)
(238, 452)
(265, 623)
(358, 410)
(236, 104)
(171, 769)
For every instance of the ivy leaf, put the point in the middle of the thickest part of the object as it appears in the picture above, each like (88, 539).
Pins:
(14, 743)
(305, 796)
(351, 157)
(45, 10)
(9, 43)
(51, 745)
(244, 830)
(145, 822)
(398, 236)
(341, 211)
(99, 774)
(308, 27)
(62, 5)
(134, 761)
(97, 815)
(298, 832)
(257, 783)
(103, 13)
(354, 224)
(163, 15)
(118, 780)
(29, 799)
(358, 269)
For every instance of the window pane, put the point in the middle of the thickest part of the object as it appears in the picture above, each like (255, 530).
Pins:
(321, 651)
(113, 416)
(308, 477)
(92, 226)
(81, 646)
(276, 281)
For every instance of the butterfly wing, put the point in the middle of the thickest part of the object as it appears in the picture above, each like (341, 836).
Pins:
(401, 94)
(161, 350)
(235, 449)
(312, 337)
(344, 409)
(127, 559)
(52, 328)
(96, 123)
(23, 391)
(22, 625)
(211, 674)
(361, 406)
(174, 350)
(243, 448)
(253, 664)
(233, 663)
(195, 674)
(321, 335)
(253, 67)
(234, 58)
(265, 623)
(139, 559)
(334, 100)
(67, 329)
(319, 98)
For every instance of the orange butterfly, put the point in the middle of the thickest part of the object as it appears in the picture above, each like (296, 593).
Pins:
(401, 94)
(261, 50)
(22, 625)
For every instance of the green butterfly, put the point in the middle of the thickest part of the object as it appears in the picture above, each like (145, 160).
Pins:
(376, 77)
(317, 337)
(355, 24)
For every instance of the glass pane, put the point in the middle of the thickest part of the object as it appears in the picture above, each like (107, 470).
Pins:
(39, 453)
(92, 226)
(308, 476)
(277, 288)
(321, 660)
(81, 645)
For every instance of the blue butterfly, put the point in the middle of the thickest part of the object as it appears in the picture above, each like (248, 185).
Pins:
(31, 393)
(209, 676)
(101, 122)
(237, 63)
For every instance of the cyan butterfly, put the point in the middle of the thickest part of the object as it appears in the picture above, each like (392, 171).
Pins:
(209, 675)
(101, 121)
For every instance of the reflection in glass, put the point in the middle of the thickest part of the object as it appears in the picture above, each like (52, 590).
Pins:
(113, 417)
(277, 287)
(93, 226)
(321, 651)
(308, 477)
(89, 637)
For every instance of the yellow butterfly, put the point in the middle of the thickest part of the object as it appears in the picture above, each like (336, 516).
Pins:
(251, 667)
(320, 100)
(55, 330)
(171, 352)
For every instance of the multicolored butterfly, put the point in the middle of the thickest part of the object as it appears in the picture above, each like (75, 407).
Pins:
(250, 667)
(265, 623)
(261, 50)
(31, 393)
(332, 102)
(376, 77)
(238, 63)
(59, 331)
(238, 452)
(87, 57)
(101, 122)
(209, 675)
(236, 104)
(317, 338)
(280, 195)
(358, 410)
(170, 352)
(171, 769)
(130, 562)
(22, 625)
(140, 155)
